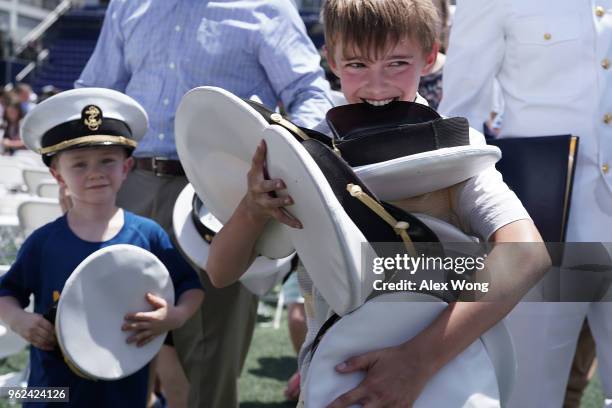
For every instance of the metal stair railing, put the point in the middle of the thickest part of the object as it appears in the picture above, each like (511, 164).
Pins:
(44, 25)
(36, 33)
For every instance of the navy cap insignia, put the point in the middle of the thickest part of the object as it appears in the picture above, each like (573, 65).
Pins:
(92, 117)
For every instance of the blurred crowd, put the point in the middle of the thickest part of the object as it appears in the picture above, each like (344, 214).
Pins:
(15, 102)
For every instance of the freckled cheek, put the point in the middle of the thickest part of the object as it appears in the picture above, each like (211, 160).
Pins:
(407, 81)
(352, 82)
(361, 77)
(74, 180)
(116, 174)
(76, 176)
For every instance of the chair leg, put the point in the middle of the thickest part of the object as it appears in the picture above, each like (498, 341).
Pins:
(279, 310)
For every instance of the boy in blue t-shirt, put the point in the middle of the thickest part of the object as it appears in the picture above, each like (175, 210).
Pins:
(86, 137)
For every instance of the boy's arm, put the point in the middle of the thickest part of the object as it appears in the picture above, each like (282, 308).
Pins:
(233, 248)
(188, 303)
(164, 318)
(33, 327)
(16, 287)
(397, 375)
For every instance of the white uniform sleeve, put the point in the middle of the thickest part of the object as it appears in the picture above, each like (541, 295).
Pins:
(475, 54)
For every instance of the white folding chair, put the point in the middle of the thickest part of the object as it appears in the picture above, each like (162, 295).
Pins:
(29, 158)
(14, 379)
(7, 220)
(9, 202)
(10, 344)
(34, 176)
(48, 189)
(37, 212)
(11, 173)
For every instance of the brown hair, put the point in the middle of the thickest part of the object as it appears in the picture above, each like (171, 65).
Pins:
(53, 160)
(375, 25)
(12, 102)
(443, 29)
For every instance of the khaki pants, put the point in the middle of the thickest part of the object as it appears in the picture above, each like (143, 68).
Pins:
(213, 344)
(579, 375)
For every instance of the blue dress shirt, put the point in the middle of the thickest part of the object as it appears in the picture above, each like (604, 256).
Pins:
(157, 50)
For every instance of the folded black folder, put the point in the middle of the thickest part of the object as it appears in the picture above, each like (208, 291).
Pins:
(540, 170)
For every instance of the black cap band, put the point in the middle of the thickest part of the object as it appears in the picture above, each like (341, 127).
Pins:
(77, 128)
(205, 233)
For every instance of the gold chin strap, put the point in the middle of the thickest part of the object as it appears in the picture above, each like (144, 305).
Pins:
(279, 120)
(69, 362)
(73, 367)
(400, 227)
(76, 371)
(336, 150)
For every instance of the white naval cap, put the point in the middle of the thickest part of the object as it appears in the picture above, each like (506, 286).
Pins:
(102, 289)
(83, 117)
(195, 227)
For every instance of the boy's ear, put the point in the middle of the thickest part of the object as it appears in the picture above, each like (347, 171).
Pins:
(128, 163)
(330, 60)
(57, 176)
(430, 58)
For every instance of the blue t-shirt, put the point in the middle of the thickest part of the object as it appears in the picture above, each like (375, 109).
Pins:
(45, 261)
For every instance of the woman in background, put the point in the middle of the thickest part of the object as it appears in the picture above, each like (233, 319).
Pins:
(11, 139)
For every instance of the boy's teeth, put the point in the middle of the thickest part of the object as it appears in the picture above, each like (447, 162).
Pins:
(379, 103)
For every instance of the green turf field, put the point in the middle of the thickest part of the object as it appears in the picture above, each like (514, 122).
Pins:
(270, 363)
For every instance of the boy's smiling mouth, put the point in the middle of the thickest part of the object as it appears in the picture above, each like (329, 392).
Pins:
(379, 102)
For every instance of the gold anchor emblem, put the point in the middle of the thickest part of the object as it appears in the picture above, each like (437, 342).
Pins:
(93, 118)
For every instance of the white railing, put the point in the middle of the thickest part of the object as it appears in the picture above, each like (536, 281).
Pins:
(44, 25)
(31, 66)
(36, 33)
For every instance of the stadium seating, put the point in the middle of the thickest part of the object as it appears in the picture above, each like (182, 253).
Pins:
(70, 42)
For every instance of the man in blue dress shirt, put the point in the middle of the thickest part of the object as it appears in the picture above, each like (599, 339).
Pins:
(155, 51)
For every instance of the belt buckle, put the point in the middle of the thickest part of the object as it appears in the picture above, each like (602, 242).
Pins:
(155, 166)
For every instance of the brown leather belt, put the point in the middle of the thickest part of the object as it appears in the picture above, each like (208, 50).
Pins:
(160, 166)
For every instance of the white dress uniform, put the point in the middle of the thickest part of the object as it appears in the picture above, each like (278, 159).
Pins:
(553, 60)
